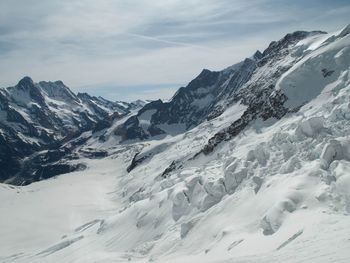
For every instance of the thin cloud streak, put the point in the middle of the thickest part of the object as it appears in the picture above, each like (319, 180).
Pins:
(176, 43)
(138, 42)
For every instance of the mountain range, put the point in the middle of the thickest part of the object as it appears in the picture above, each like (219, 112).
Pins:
(36, 119)
(247, 164)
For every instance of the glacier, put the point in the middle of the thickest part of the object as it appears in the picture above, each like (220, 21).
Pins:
(276, 189)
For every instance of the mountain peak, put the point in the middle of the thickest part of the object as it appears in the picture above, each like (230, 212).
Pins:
(59, 82)
(83, 95)
(298, 35)
(26, 82)
(204, 71)
(289, 39)
(257, 55)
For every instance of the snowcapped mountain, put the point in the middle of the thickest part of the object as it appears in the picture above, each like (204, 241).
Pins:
(37, 118)
(249, 164)
(208, 95)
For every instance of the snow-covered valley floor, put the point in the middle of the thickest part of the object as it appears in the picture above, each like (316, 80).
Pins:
(104, 214)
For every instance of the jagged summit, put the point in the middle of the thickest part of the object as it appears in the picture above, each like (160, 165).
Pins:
(84, 95)
(39, 116)
(204, 72)
(26, 82)
(257, 55)
(289, 39)
(58, 90)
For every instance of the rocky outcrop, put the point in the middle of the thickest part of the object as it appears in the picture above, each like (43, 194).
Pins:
(210, 93)
(259, 94)
(41, 117)
(203, 98)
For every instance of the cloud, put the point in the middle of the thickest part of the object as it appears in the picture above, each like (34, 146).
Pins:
(142, 42)
(122, 92)
(176, 43)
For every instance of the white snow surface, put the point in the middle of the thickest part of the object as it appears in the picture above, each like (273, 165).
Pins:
(278, 192)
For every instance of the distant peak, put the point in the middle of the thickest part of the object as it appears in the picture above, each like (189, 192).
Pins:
(288, 39)
(56, 83)
(26, 82)
(59, 82)
(83, 95)
(205, 72)
(257, 55)
(298, 35)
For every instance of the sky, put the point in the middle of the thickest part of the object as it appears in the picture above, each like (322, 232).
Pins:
(130, 49)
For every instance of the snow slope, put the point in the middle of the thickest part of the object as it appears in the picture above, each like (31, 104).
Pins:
(279, 191)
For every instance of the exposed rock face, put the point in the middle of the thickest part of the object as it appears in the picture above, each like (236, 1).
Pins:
(210, 93)
(203, 98)
(259, 93)
(36, 117)
(136, 161)
(272, 107)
